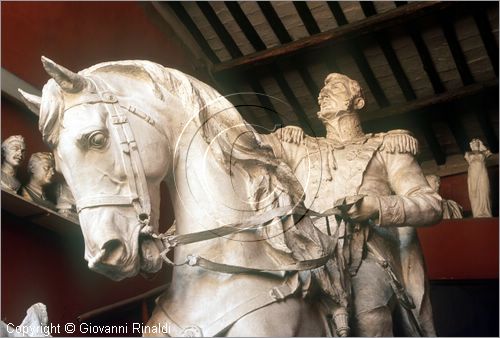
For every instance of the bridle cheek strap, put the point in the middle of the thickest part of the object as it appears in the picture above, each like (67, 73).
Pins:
(139, 195)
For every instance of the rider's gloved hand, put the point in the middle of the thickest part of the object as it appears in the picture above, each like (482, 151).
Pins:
(359, 208)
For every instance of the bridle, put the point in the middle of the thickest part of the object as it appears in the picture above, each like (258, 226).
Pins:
(139, 196)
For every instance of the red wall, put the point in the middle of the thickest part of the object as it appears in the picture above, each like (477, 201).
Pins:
(37, 264)
(461, 249)
(80, 34)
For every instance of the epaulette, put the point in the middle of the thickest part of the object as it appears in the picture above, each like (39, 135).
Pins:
(399, 141)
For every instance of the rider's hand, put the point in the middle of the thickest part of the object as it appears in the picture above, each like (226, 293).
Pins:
(291, 134)
(363, 209)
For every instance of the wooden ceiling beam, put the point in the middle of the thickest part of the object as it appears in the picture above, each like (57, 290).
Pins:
(423, 103)
(276, 70)
(186, 20)
(422, 119)
(245, 25)
(284, 37)
(359, 58)
(482, 104)
(424, 54)
(274, 21)
(297, 108)
(265, 101)
(252, 36)
(307, 17)
(489, 41)
(258, 44)
(385, 20)
(181, 24)
(452, 117)
(390, 55)
(425, 57)
(252, 80)
(235, 52)
(425, 126)
(450, 35)
(219, 28)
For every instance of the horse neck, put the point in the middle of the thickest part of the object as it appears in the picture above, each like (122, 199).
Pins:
(203, 193)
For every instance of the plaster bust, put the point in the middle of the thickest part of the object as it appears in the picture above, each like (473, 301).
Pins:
(451, 209)
(13, 149)
(41, 169)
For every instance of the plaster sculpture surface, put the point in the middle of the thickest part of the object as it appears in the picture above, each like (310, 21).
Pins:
(451, 209)
(35, 324)
(66, 204)
(13, 149)
(477, 179)
(380, 245)
(41, 168)
(246, 254)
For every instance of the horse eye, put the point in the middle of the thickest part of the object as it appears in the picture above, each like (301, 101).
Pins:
(97, 140)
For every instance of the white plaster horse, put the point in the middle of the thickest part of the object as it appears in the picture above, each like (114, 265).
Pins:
(118, 129)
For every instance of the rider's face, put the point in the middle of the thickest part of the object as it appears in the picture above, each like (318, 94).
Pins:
(335, 98)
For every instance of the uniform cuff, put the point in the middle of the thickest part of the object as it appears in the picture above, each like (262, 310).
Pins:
(391, 211)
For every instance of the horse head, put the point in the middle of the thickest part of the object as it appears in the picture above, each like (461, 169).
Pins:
(92, 125)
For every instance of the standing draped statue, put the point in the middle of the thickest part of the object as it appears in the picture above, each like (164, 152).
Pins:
(477, 179)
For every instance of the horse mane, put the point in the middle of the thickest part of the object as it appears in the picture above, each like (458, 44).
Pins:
(231, 138)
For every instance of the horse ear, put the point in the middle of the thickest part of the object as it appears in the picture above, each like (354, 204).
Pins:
(31, 101)
(69, 82)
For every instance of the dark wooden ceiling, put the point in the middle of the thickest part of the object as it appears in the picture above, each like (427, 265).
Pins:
(430, 67)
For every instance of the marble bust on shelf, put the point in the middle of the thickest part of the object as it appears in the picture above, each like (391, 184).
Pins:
(42, 170)
(13, 149)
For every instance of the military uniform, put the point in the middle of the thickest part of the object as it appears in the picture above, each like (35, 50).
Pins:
(380, 165)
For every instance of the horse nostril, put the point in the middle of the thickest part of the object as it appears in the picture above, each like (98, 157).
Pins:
(143, 217)
(114, 251)
(111, 245)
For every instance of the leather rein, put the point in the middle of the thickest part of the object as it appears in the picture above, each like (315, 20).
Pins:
(139, 196)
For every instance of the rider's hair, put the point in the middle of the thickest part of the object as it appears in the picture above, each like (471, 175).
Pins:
(353, 85)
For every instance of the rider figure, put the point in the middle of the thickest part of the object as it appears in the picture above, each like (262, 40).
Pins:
(384, 195)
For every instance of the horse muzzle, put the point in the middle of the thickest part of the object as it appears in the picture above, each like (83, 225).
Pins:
(114, 261)
(111, 241)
